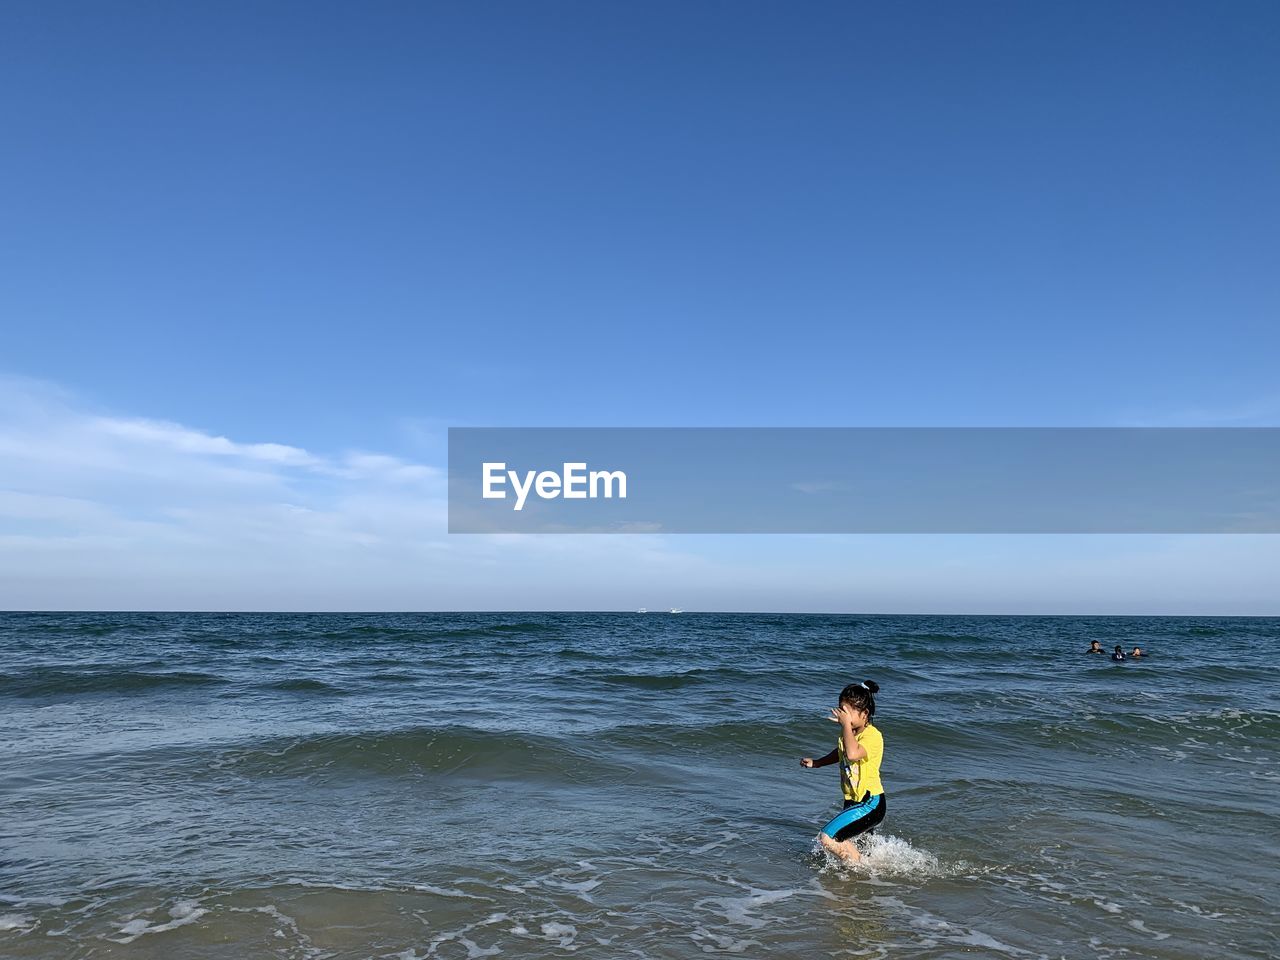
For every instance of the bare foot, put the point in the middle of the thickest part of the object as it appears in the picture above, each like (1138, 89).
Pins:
(846, 851)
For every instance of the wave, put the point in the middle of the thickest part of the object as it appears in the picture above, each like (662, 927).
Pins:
(1090, 731)
(678, 679)
(464, 751)
(1208, 675)
(763, 736)
(575, 653)
(649, 681)
(1204, 631)
(917, 638)
(219, 641)
(1231, 722)
(515, 754)
(54, 681)
(520, 628)
(657, 681)
(303, 685)
(410, 635)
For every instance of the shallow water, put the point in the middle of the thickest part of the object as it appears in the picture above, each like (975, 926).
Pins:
(532, 785)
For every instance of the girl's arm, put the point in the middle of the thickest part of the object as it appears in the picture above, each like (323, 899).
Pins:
(843, 715)
(826, 761)
(852, 748)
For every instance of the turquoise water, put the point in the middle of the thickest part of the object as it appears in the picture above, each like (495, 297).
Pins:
(626, 785)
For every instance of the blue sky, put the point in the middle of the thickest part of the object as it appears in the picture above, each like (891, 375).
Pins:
(337, 230)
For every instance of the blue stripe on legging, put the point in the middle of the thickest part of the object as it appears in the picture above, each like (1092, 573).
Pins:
(846, 817)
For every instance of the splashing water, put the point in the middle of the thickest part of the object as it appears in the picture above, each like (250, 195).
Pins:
(887, 856)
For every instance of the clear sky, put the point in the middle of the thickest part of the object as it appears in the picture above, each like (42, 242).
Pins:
(256, 257)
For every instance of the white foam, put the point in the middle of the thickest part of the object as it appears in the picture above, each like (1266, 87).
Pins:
(581, 888)
(449, 892)
(724, 944)
(565, 933)
(726, 837)
(180, 914)
(739, 909)
(288, 927)
(460, 936)
(16, 923)
(1200, 912)
(475, 950)
(951, 932)
(1143, 928)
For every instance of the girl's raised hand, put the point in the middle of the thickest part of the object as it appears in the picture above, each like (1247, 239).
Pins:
(842, 714)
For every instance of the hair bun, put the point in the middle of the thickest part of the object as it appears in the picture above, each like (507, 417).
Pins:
(871, 686)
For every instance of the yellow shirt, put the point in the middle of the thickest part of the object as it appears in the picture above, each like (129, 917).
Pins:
(861, 778)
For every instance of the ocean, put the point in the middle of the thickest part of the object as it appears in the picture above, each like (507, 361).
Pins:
(535, 785)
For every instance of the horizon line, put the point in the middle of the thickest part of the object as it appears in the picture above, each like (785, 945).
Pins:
(655, 612)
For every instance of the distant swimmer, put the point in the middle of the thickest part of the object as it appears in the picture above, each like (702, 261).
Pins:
(1095, 647)
(1137, 652)
(859, 750)
(1119, 654)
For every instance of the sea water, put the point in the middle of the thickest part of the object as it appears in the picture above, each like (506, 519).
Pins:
(628, 785)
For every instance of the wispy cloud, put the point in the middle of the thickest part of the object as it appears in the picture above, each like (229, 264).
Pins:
(157, 433)
(1260, 412)
(102, 510)
(811, 487)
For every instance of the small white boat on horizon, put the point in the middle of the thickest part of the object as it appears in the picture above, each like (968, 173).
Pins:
(676, 610)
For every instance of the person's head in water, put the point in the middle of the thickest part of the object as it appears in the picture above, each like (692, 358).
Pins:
(860, 698)
(1118, 654)
(1137, 652)
(1095, 646)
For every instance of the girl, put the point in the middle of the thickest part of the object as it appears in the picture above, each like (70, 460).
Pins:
(859, 752)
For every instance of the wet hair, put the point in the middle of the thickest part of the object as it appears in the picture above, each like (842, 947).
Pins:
(1118, 649)
(861, 696)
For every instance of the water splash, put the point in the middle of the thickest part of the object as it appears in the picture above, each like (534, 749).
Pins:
(887, 857)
